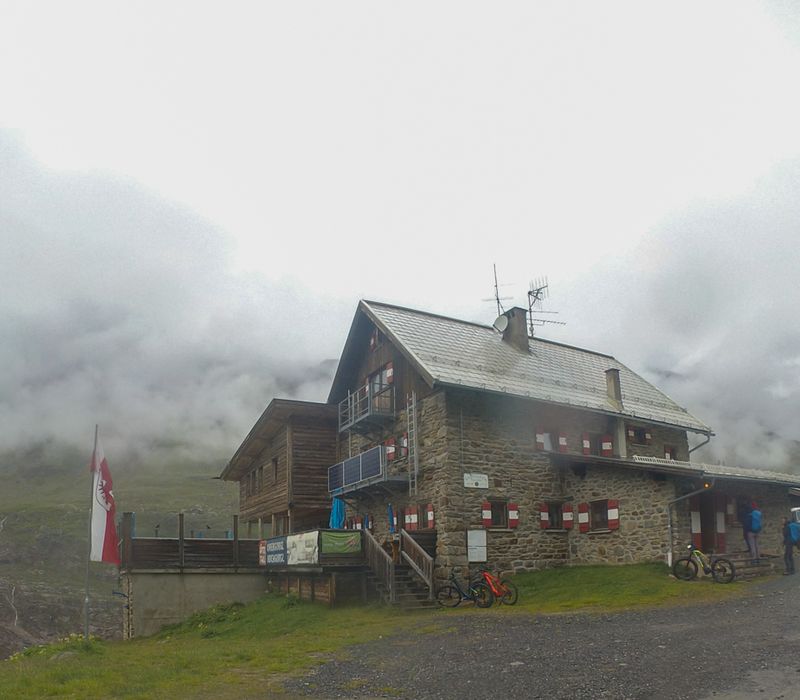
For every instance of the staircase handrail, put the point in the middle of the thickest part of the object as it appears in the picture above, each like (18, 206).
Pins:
(381, 564)
(418, 559)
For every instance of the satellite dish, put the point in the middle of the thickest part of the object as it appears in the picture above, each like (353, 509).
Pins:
(501, 323)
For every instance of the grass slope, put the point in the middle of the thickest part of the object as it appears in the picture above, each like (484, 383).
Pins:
(246, 651)
(44, 510)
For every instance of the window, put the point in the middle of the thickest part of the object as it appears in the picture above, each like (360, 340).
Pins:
(639, 436)
(669, 452)
(499, 513)
(555, 513)
(598, 515)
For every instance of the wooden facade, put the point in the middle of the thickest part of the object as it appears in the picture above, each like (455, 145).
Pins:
(282, 468)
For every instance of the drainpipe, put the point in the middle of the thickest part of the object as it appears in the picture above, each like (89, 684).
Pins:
(707, 486)
(697, 447)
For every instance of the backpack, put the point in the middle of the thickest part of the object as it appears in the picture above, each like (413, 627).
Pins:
(755, 521)
(794, 532)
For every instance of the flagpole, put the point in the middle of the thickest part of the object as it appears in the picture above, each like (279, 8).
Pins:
(89, 541)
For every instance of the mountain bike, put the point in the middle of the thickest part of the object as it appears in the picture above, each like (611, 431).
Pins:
(452, 593)
(686, 568)
(504, 591)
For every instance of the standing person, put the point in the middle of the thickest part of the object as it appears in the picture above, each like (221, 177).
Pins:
(743, 514)
(789, 542)
(752, 535)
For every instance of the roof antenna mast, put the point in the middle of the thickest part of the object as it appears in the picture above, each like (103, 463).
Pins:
(537, 293)
(497, 298)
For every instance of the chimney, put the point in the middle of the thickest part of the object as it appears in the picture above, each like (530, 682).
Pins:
(515, 332)
(613, 388)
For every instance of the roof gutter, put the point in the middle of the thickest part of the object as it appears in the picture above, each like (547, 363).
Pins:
(697, 447)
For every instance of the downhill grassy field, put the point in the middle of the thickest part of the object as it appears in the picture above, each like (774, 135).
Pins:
(245, 651)
(44, 509)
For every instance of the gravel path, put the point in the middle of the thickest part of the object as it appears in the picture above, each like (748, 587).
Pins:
(736, 650)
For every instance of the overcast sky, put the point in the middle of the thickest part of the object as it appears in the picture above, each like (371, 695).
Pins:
(194, 196)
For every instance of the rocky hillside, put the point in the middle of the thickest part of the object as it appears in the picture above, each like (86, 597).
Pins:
(43, 524)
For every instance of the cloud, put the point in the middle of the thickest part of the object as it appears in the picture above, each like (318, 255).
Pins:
(706, 307)
(120, 308)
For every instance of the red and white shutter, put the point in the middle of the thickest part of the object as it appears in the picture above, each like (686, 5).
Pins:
(430, 521)
(583, 517)
(370, 521)
(513, 515)
(357, 522)
(544, 516)
(697, 529)
(631, 433)
(486, 513)
(721, 503)
(389, 373)
(562, 442)
(391, 451)
(613, 515)
(373, 339)
(407, 518)
(606, 446)
(586, 444)
(414, 524)
(567, 516)
(404, 445)
(539, 438)
(648, 436)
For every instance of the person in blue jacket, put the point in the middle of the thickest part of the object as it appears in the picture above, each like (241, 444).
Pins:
(791, 539)
(753, 531)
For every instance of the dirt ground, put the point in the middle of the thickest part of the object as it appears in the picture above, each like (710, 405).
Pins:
(735, 650)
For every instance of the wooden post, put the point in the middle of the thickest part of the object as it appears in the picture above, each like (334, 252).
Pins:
(127, 544)
(235, 541)
(180, 541)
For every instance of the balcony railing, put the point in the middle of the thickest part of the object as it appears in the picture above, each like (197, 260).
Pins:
(370, 403)
(366, 468)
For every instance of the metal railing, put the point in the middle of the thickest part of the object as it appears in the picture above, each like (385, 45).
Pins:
(381, 564)
(369, 400)
(418, 559)
(366, 467)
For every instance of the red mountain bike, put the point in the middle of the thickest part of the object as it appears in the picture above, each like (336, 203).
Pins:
(504, 591)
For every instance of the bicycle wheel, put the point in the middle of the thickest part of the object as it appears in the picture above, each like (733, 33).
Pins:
(684, 569)
(448, 596)
(723, 570)
(482, 595)
(510, 593)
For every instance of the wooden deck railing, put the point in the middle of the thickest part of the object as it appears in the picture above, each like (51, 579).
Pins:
(381, 564)
(418, 559)
(185, 552)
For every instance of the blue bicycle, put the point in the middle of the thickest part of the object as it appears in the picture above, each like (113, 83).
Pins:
(452, 594)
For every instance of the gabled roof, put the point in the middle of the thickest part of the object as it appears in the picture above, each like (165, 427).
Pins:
(274, 418)
(450, 352)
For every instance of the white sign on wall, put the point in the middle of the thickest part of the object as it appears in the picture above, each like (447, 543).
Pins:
(476, 545)
(476, 481)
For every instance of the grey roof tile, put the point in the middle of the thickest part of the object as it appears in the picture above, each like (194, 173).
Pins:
(474, 356)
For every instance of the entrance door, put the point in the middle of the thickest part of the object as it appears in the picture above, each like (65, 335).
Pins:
(708, 521)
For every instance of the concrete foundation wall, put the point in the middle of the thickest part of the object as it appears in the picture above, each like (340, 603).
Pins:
(158, 599)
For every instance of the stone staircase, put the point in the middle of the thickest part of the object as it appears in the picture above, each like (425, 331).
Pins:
(412, 594)
(745, 569)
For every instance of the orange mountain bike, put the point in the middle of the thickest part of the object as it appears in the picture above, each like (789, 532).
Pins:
(504, 591)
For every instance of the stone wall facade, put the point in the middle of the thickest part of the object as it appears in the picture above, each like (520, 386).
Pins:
(467, 432)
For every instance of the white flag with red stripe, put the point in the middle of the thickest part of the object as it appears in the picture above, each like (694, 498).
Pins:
(104, 530)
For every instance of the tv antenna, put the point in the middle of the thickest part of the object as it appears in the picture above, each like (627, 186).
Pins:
(497, 298)
(537, 293)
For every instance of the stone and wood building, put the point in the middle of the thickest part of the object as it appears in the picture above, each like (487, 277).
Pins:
(479, 445)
